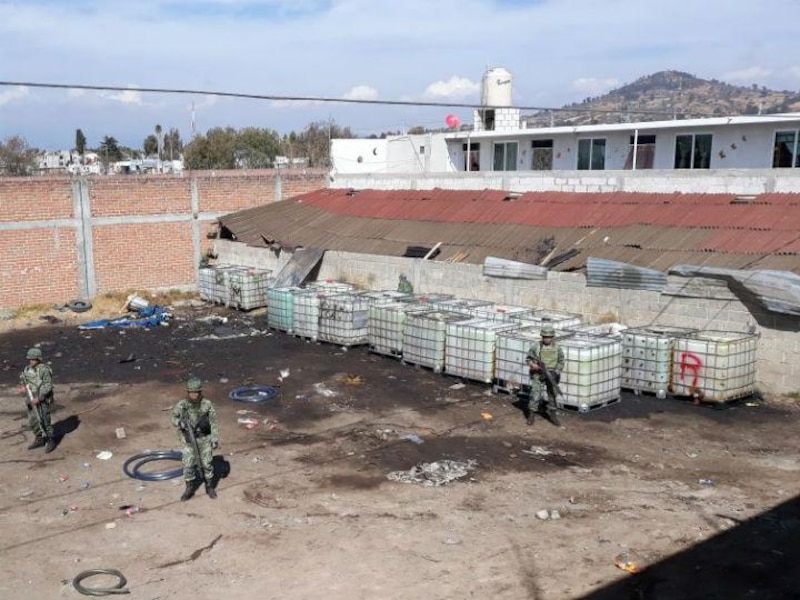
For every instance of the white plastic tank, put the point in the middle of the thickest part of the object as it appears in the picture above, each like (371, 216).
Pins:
(344, 319)
(280, 307)
(647, 357)
(307, 311)
(496, 87)
(714, 366)
(502, 312)
(557, 318)
(470, 348)
(387, 322)
(247, 288)
(424, 337)
(592, 370)
(331, 286)
(466, 305)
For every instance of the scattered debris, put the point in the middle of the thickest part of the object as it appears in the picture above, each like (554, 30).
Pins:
(127, 359)
(411, 437)
(104, 455)
(705, 481)
(111, 525)
(63, 478)
(436, 473)
(284, 373)
(457, 386)
(543, 514)
(487, 416)
(627, 561)
(248, 422)
(538, 451)
(120, 432)
(555, 515)
(352, 380)
(322, 390)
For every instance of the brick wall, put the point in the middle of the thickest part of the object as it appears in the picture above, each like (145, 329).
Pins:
(63, 238)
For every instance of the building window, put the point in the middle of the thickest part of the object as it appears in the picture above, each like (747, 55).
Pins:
(786, 152)
(645, 152)
(422, 149)
(472, 157)
(693, 151)
(505, 156)
(591, 154)
(542, 155)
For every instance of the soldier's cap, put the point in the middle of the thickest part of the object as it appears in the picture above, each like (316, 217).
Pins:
(548, 331)
(34, 353)
(193, 384)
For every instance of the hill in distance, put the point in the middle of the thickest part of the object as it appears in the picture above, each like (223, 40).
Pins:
(669, 95)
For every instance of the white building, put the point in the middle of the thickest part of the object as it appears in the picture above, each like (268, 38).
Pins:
(500, 142)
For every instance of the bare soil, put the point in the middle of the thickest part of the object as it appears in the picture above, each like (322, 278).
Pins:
(305, 509)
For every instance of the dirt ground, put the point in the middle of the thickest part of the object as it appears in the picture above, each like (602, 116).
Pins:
(305, 508)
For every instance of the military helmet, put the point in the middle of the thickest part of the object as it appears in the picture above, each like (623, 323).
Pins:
(34, 353)
(548, 331)
(193, 384)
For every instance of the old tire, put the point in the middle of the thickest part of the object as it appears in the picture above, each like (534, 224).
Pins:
(79, 306)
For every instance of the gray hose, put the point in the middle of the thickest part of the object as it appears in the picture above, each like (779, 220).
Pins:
(132, 466)
(99, 591)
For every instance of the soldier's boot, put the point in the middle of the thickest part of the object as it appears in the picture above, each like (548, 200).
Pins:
(50, 445)
(191, 488)
(529, 420)
(37, 443)
(212, 493)
(553, 416)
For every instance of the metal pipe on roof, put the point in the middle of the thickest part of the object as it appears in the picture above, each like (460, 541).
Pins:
(635, 147)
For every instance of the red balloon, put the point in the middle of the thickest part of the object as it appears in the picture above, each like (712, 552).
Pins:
(452, 121)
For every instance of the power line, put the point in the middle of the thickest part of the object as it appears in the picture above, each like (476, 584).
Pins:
(320, 99)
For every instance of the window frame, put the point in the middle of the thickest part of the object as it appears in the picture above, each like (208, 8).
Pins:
(542, 144)
(505, 145)
(795, 158)
(593, 143)
(692, 157)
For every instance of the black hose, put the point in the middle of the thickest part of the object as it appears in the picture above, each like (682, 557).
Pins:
(253, 393)
(99, 591)
(139, 460)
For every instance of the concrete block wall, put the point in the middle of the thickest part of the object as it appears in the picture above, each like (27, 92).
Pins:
(720, 181)
(779, 336)
(63, 238)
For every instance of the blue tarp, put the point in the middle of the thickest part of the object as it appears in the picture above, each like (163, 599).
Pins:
(151, 316)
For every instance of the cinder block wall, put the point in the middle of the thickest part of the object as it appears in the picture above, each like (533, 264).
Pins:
(63, 238)
(779, 342)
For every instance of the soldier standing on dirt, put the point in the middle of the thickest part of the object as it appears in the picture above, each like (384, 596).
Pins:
(37, 384)
(542, 355)
(195, 419)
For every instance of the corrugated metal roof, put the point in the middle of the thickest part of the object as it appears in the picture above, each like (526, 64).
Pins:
(649, 230)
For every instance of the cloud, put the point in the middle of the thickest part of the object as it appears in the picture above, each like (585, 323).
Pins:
(130, 96)
(594, 85)
(455, 88)
(10, 95)
(361, 92)
(75, 93)
(748, 75)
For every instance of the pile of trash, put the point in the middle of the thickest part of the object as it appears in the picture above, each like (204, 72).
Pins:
(149, 316)
(436, 473)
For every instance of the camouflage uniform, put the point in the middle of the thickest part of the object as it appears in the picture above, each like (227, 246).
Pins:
(38, 377)
(405, 285)
(552, 356)
(202, 417)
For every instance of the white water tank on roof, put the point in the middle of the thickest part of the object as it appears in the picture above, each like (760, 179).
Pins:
(496, 87)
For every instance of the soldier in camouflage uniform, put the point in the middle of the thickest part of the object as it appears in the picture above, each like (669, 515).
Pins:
(404, 285)
(196, 412)
(552, 355)
(37, 385)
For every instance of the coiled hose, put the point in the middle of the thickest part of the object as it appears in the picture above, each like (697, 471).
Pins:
(133, 465)
(101, 591)
(253, 393)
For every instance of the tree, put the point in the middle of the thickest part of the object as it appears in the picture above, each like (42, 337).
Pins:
(150, 145)
(173, 145)
(249, 148)
(109, 150)
(158, 137)
(314, 142)
(17, 158)
(80, 142)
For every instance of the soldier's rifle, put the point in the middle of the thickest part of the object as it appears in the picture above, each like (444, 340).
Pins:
(37, 408)
(554, 390)
(188, 431)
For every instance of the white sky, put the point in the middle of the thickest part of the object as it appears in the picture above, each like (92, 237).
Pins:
(558, 51)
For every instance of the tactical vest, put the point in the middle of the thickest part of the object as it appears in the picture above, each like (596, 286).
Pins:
(32, 376)
(548, 354)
